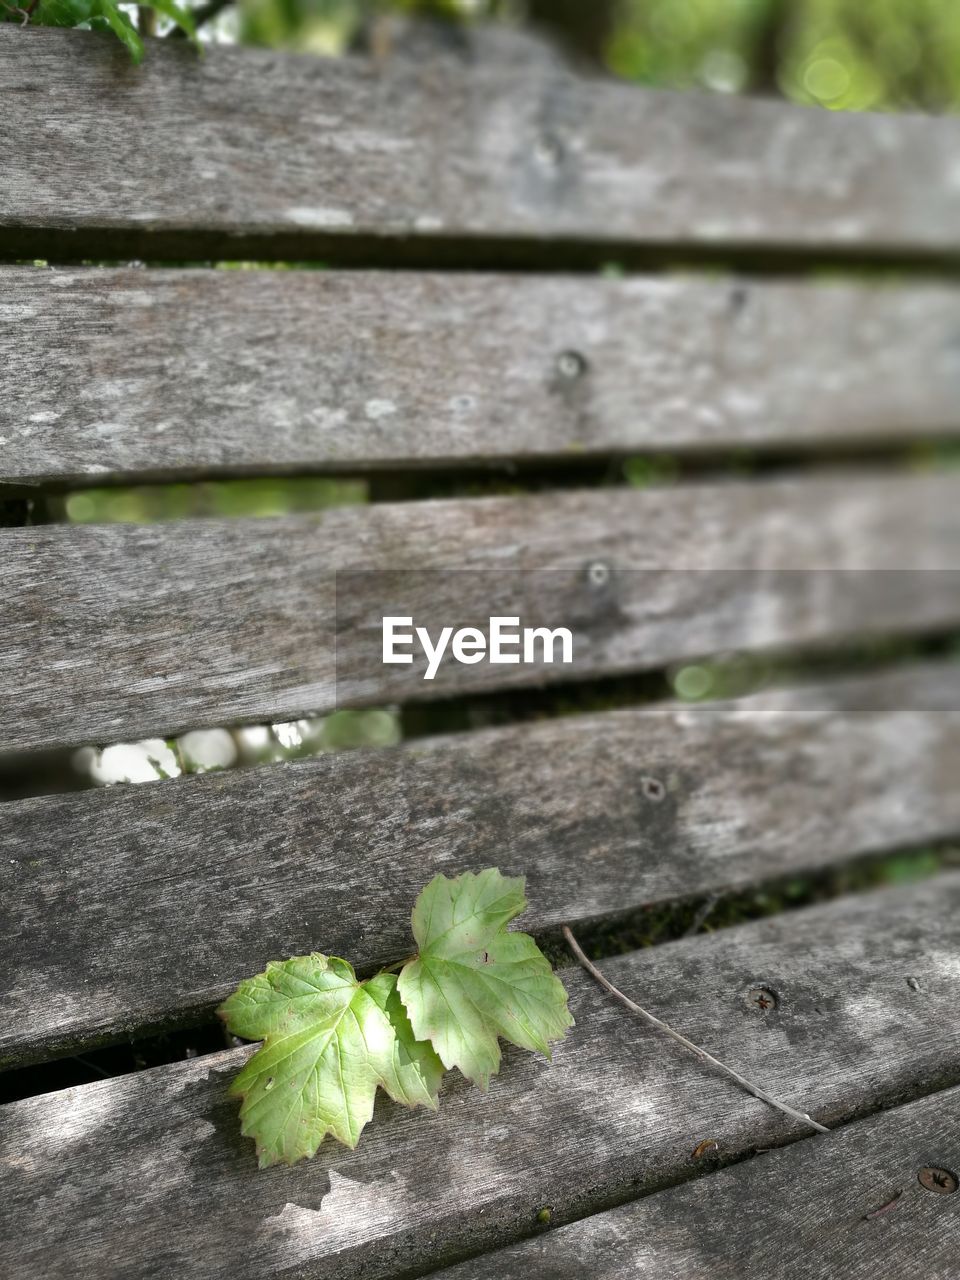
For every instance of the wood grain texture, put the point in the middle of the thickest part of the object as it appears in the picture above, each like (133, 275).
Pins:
(807, 1212)
(112, 632)
(146, 1175)
(135, 373)
(483, 137)
(211, 877)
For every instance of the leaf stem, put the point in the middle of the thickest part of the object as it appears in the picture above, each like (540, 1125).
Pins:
(702, 1054)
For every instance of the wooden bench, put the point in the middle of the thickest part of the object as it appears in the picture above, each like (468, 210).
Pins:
(501, 183)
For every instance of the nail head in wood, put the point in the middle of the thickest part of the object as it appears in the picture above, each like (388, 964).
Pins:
(653, 789)
(598, 574)
(942, 1181)
(571, 365)
(763, 999)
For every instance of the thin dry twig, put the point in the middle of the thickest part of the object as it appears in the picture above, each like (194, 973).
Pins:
(702, 1054)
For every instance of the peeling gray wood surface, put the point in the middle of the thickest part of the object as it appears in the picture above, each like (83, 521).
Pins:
(167, 372)
(118, 631)
(210, 877)
(850, 1204)
(146, 1175)
(484, 136)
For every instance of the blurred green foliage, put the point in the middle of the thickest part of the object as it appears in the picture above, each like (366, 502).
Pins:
(103, 15)
(850, 55)
(211, 750)
(846, 55)
(331, 26)
(263, 496)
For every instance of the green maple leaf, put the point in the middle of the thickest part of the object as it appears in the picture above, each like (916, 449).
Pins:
(474, 981)
(329, 1043)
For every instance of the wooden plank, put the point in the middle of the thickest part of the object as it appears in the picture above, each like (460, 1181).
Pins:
(482, 137)
(211, 877)
(112, 632)
(168, 372)
(850, 1204)
(147, 1173)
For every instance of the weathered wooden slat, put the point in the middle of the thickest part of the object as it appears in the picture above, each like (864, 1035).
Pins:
(140, 373)
(112, 632)
(482, 136)
(850, 1204)
(211, 877)
(147, 1174)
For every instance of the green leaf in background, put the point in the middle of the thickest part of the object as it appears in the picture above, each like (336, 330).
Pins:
(179, 17)
(106, 15)
(474, 981)
(108, 12)
(64, 13)
(329, 1043)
